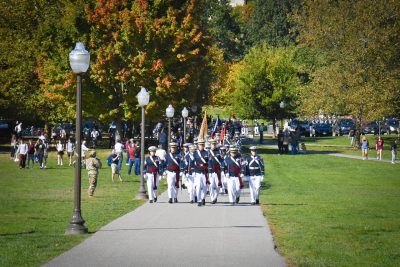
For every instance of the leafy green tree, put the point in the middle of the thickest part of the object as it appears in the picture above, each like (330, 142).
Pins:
(359, 41)
(264, 78)
(269, 22)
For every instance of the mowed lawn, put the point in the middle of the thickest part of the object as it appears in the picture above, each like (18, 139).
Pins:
(36, 207)
(328, 211)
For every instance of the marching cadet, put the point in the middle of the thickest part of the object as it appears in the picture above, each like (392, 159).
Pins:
(172, 160)
(188, 169)
(184, 152)
(255, 171)
(93, 165)
(223, 154)
(200, 179)
(214, 171)
(234, 173)
(152, 169)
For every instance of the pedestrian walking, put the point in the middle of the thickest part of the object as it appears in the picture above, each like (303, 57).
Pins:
(45, 153)
(233, 166)
(93, 165)
(22, 151)
(127, 144)
(60, 153)
(152, 169)
(379, 147)
(255, 172)
(364, 148)
(31, 154)
(172, 162)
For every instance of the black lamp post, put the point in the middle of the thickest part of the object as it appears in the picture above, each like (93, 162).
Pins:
(79, 60)
(185, 114)
(170, 113)
(143, 98)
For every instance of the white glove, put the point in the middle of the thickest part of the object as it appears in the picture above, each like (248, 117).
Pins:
(241, 175)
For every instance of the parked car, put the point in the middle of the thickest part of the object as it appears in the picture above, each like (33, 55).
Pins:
(373, 128)
(5, 129)
(323, 129)
(304, 127)
(393, 125)
(345, 126)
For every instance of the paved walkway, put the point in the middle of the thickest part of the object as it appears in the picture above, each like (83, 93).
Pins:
(358, 157)
(181, 234)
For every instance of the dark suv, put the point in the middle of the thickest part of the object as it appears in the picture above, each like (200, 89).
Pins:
(345, 126)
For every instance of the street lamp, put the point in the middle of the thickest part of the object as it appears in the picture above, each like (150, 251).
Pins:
(143, 98)
(170, 113)
(79, 60)
(185, 113)
(282, 106)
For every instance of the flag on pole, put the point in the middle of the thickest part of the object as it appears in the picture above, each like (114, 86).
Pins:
(218, 122)
(203, 129)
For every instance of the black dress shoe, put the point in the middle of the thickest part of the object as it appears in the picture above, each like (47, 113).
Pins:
(253, 203)
(226, 191)
(151, 201)
(195, 199)
(170, 200)
(191, 201)
(175, 200)
(199, 204)
(213, 202)
(237, 199)
(257, 201)
(155, 199)
(203, 201)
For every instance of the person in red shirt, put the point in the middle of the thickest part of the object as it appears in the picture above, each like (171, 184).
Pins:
(131, 155)
(379, 148)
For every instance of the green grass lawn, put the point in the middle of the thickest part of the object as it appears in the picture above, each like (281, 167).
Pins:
(328, 211)
(36, 207)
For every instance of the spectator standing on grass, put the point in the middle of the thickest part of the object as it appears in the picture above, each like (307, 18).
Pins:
(394, 151)
(261, 130)
(351, 135)
(70, 150)
(40, 152)
(137, 158)
(364, 148)
(94, 135)
(379, 147)
(131, 155)
(60, 153)
(22, 151)
(84, 149)
(119, 150)
(45, 154)
(13, 146)
(114, 166)
(31, 154)
(127, 144)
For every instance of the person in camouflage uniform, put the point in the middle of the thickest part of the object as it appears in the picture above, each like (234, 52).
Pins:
(93, 165)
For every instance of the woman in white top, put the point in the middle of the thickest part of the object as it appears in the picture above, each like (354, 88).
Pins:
(60, 153)
(70, 151)
(22, 151)
(84, 149)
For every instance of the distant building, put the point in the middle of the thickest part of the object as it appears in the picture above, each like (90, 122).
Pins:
(238, 2)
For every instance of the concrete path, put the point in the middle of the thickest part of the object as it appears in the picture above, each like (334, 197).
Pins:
(181, 234)
(357, 157)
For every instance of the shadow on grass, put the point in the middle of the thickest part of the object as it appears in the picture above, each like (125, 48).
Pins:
(20, 233)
